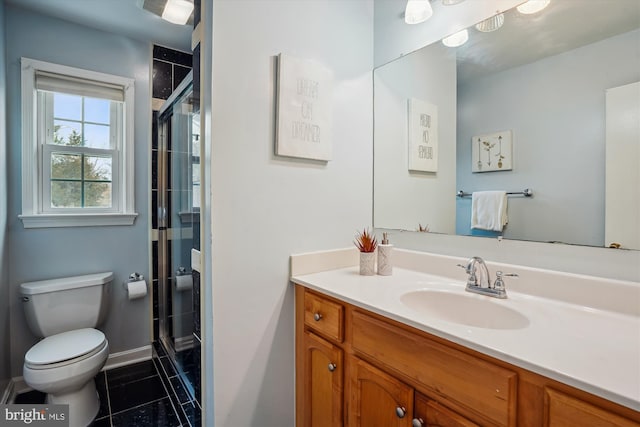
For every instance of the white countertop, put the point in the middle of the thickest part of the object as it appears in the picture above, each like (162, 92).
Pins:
(592, 349)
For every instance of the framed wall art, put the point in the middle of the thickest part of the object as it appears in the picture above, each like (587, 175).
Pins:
(423, 136)
(304, 109)
(492, 152)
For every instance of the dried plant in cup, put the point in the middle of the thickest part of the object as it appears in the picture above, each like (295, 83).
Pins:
(366, 241)
(422, 229)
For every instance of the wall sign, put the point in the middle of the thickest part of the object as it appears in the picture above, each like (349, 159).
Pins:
(491, 152)
(423, 136)
(305, 108)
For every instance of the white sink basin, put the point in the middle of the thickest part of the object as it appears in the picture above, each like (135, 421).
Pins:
(464, 308)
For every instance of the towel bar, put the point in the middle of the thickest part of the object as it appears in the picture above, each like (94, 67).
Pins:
(526, 193)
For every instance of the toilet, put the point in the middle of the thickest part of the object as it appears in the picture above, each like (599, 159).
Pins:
(65, 312)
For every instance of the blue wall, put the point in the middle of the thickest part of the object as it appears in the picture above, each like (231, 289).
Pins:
(4, 255)
(54, 252)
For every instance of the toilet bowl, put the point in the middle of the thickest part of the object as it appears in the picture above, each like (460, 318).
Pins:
(64, 366)
(64, 363)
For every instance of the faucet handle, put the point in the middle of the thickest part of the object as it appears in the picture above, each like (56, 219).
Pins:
(471, 280)
(499, 283)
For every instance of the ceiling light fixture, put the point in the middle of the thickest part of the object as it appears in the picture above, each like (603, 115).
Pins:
(177, 11)
(533, 6)
(491, 24)
(451, 2)
(457, 39)
(417, 11)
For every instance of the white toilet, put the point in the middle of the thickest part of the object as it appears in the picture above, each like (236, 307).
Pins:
(64, 364)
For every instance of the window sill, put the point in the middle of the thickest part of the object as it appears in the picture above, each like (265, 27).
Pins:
(76, 220)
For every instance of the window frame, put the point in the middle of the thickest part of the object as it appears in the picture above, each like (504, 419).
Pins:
(35, 151)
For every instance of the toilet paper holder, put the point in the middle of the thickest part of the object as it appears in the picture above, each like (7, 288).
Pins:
(134, 277)
(135, 286)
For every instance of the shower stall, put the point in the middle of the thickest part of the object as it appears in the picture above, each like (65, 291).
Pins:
(178, 233)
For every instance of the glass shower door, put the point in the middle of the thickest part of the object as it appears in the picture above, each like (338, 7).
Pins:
(179, 130)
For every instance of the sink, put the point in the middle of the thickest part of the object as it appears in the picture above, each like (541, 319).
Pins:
(465, 309)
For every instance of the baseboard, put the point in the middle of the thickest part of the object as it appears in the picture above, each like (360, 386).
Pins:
(128, 357)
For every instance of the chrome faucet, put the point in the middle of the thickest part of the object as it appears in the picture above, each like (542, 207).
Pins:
(483, 285)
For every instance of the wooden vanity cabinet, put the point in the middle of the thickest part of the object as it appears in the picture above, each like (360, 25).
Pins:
(377, 399)
(355, 368)
(563, 410)
(429, 413)
(323, 379)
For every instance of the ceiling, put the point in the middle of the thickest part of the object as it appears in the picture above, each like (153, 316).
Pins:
(562, 26)
(125, 17)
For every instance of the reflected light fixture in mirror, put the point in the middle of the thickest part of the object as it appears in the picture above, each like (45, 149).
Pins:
(417, 11)
(451, 2)
(533, 6)
(456, 39)
(177, 11)
(491, 24)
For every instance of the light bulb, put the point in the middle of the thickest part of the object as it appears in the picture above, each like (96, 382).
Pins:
(533, 6)
(417, 11)
(491, 24)
(177, 11)
(457, 39)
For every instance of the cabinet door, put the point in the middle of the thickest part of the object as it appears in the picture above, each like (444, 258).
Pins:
(431, 414)
(562, 410)
(322, 376)
(377, 399)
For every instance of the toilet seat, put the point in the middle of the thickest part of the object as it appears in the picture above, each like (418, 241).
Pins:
(65, 348)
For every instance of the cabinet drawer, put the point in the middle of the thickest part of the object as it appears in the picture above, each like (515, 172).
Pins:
(324, 316)
(429, 413)
(488, 390)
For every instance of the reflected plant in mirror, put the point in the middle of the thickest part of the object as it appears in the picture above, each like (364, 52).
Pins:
(563, 81)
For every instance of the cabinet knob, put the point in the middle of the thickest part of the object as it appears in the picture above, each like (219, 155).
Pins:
(332, 367)
(417, 422)
(401, 412)
(317, 317)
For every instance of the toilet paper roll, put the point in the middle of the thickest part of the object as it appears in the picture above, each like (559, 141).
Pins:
(184, 282)
(136, 289)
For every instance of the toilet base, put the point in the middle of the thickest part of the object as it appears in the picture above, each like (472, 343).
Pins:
(84, 404)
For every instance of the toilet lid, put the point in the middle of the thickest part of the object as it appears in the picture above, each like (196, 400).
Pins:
(64, 346)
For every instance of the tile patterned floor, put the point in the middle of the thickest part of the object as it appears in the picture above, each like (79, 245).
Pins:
(188, 408)
(144, 394)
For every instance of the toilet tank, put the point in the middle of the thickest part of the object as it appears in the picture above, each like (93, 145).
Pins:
(60, 305)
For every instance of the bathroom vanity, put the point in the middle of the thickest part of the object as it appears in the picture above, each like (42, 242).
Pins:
(414, 349)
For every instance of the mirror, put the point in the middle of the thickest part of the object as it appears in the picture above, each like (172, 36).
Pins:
(541, 80)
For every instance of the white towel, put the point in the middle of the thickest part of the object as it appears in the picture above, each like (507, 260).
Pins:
(489, 210)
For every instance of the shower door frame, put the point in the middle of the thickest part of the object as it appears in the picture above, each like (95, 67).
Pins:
(165, 316)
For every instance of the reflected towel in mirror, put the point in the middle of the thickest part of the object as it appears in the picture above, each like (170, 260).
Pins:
(489, 210)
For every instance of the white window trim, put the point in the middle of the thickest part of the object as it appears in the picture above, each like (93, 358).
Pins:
(33, 216)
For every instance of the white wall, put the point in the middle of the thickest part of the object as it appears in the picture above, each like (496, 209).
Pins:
(4, 250)
(558, 139)
(404, 199)
(45, 253)
(265, 208)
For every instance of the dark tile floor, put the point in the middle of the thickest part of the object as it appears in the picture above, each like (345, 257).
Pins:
(188, 408)
(138, 395)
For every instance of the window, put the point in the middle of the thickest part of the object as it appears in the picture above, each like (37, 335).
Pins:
(77, 148)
